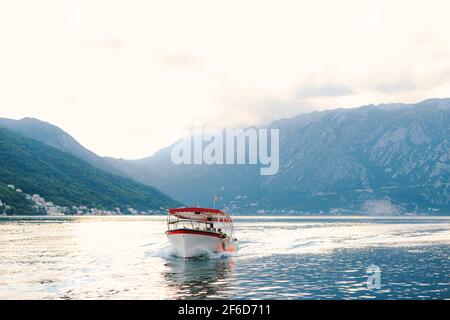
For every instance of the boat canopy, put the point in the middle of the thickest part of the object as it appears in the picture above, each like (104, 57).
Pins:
(201, 214)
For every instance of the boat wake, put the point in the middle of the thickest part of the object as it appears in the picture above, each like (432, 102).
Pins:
(301, 237)
(166, 251)
(324, 237)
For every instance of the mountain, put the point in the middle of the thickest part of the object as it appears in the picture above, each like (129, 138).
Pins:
(375, 159)
(56, 137)
(66, 180)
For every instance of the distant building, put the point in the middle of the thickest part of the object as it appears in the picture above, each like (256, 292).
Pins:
(132, 211)
(38, 200)
(11, 186)
(19, 190)
(54, 211)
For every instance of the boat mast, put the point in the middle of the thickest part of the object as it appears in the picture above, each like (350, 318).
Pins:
(215, 198)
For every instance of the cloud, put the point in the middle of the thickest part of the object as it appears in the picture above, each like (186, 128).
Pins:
(120, 69)
(324, 90)
(107, 43)
(403, 85)
(181, 60)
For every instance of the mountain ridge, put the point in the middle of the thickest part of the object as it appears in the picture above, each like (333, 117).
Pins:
(56, 137)
(341, 160)
(66, 180)
(356, 160)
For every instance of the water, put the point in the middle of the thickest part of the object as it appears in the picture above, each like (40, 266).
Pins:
(279, 258)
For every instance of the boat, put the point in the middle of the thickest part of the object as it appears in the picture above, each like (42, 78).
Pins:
(198, 231)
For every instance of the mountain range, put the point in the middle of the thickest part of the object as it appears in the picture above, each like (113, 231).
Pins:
(375, 159)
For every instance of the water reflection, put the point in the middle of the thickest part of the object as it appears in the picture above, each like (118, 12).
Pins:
(200, 278)
(129, 258)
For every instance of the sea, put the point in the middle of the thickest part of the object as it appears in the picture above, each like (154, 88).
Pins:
(279, 257)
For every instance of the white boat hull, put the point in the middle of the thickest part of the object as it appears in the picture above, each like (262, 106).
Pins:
(191, 243)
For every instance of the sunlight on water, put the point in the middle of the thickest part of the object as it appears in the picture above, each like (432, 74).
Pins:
(279, 258)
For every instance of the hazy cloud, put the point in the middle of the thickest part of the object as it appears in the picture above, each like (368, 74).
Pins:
(398, 86)
(324, 90)
(181, 60)
(107, 43)
(100, 69)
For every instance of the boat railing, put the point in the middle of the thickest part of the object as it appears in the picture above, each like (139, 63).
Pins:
(174, 223)
(224, 228)
(193, 224)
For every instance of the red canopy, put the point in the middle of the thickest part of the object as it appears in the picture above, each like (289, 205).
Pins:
(202, 210)
(201, 214)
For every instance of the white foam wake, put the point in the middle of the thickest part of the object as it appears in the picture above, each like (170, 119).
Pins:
(322, 237)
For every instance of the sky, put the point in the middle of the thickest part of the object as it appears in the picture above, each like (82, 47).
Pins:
(126, 78)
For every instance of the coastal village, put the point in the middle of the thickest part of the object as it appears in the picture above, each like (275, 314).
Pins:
(41, 206)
